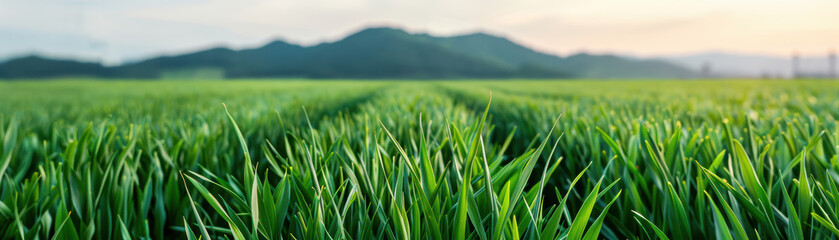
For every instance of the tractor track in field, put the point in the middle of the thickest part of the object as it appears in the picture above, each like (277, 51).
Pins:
(502, 125)
(348, 106)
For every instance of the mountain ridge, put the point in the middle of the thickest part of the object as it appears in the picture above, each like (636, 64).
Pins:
(380, 52)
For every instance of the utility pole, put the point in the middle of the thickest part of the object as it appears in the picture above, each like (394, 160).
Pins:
(795, 66)
(706, 69)
(831, 60)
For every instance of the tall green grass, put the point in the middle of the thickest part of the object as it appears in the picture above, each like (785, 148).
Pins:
(411, 160)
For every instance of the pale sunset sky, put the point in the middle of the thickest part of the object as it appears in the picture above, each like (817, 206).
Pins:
(115, 31)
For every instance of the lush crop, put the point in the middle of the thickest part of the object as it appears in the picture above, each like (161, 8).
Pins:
(419, 160)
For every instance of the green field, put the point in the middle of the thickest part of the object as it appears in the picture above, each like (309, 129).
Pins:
(288, 159)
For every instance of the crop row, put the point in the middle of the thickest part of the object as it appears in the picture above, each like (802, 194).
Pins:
(435, 160)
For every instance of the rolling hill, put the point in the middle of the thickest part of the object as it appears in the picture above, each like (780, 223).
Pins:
(369, 53)
(39, 67)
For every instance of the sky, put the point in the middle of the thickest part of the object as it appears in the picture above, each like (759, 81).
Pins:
(116, 31)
